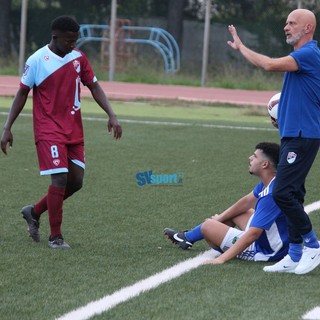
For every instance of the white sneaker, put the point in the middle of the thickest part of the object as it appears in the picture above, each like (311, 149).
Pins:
(284, 265)
(310, 260)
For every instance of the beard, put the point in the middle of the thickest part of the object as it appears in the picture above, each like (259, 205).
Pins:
(294, 39)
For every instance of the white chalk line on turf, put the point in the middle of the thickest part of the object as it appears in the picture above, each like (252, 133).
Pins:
(127, 293)
(313, 314)
(184, 124)
(168, 123)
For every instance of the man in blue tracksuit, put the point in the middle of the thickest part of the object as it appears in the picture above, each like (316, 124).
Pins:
(299, 127)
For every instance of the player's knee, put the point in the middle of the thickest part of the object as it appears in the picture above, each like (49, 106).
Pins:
(59, 180)
(205, 227)
(77, 186)
(74, 186)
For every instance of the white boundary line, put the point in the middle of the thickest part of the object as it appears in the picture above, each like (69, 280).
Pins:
(166, 123)
(108, 302)
(127, 293)
(313, 314)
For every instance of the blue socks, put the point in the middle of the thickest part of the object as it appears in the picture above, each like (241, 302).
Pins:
(295, 251)
(310, 240)
(194, 234)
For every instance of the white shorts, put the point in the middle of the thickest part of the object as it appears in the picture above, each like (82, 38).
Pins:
(230, 239)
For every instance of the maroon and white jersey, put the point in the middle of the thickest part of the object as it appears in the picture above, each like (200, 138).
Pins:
(56, 93)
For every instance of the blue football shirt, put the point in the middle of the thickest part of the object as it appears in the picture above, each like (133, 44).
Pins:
(299, 106)
(273, 243)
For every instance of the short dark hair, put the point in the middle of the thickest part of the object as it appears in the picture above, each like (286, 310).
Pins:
(65, 24)
(271, 150)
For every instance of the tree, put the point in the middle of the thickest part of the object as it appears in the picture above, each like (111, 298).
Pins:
(5, 48)
(175, 19)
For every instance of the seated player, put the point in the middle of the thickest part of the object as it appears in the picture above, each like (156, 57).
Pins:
(253, 228)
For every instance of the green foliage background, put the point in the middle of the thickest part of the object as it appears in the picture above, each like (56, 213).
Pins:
(264, 18)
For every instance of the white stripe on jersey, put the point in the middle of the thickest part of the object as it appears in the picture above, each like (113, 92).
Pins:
(43, 63)
(274, 238)
(265, 191)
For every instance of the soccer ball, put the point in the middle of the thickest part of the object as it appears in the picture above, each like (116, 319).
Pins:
(273, 106)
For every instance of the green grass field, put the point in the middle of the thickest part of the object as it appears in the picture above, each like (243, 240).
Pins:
(115, 226)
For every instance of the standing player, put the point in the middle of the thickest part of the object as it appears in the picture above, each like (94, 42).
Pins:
(299, 127)
(253, 228)
(54, 72)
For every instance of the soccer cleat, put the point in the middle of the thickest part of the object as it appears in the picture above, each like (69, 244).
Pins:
(310, 260)
(58, 243)
(284, 265)
(33, 224)
(178, 237)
